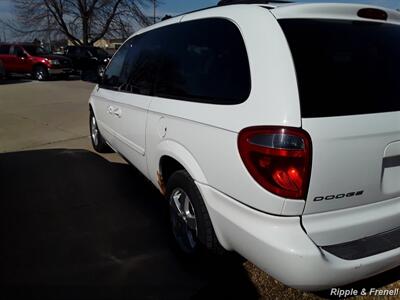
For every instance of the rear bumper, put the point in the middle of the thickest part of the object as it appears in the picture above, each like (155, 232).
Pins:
(280, 246)
(367, 246)
(351, 224)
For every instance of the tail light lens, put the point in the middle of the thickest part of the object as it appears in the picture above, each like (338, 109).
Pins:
(278, 158)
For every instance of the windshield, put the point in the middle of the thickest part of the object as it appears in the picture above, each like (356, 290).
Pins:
(345, 67)
(36, 50)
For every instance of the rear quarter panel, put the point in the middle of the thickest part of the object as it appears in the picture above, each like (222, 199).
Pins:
(208, 132)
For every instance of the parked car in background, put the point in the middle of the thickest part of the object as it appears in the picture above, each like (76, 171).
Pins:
(275, 134)
(34, 60)
(2, 71)
(90, 62)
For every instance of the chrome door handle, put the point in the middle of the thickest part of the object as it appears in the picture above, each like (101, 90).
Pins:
(110, 110)
(118, 112)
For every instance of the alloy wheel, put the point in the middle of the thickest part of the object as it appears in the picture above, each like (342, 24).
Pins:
(39, 74)
(183, 219)
(94, 131)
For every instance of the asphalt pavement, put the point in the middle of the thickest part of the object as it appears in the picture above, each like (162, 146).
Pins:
(79, 225)
(76, 226)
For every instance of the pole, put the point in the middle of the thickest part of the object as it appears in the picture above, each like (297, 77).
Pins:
(154, 11)
(48, 31)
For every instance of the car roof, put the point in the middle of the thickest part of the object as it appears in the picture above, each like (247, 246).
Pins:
(284, 10)
(287, 9)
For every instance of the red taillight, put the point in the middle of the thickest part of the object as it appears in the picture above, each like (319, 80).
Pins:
(278, 158)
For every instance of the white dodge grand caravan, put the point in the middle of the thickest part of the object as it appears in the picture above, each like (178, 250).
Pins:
(272, 130)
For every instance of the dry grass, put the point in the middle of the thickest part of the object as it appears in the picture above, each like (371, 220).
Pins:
(269, 288)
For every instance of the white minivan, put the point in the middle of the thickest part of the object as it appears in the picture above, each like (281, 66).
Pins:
(272, 130)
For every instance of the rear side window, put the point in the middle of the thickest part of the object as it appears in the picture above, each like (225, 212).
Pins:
(17, 51)
(4, 49)
(345, 67)
(203, 61)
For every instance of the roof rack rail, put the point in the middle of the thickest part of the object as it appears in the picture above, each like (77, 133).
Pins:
(230, 2)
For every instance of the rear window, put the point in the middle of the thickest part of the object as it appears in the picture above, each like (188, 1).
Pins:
(345, 67)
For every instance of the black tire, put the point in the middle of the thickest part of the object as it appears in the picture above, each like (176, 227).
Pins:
(99, 144)
(204, 236)
(2, 70)
(40, 73)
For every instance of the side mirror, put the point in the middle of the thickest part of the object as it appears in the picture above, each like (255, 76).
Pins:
(92, 76)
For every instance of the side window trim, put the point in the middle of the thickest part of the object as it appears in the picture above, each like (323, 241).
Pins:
(203, 88)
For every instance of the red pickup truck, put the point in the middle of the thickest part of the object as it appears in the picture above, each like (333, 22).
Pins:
(34, 60)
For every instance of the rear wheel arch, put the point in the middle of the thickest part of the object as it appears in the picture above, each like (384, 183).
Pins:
(174, 156)
(168, 166)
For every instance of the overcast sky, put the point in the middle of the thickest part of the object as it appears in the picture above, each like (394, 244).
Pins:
(173, 7)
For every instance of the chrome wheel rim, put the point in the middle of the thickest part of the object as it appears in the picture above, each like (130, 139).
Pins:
(101, 71)
(183, 219)
(94, 131)
(39, 74)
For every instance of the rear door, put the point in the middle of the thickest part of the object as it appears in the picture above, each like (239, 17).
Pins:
(24, 59)
(18, 61)
(12, 61)
(349, 84)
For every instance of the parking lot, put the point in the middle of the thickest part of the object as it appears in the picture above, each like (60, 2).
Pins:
(77, 225)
